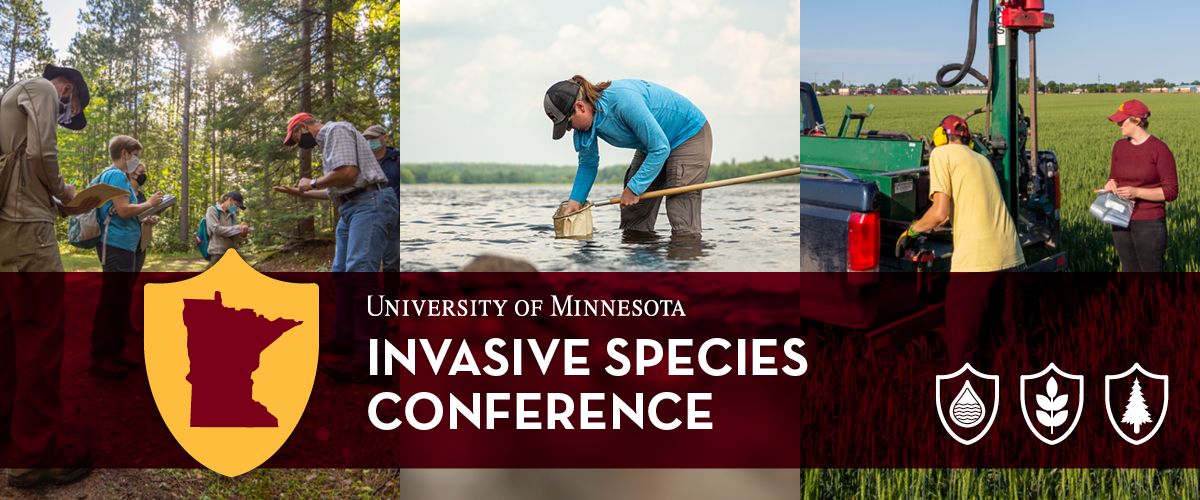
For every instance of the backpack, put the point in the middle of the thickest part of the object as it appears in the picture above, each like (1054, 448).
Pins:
(202, 235)
(83, 230)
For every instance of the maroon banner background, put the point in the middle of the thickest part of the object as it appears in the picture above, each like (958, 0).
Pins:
(752, 416)
(853, 408)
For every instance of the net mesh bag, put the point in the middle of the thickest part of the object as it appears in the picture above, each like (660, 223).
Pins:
(575, 225)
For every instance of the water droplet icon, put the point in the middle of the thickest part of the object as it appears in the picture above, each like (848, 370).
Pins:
(967, 409)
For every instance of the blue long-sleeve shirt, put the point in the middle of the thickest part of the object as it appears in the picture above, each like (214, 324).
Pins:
(639, 115)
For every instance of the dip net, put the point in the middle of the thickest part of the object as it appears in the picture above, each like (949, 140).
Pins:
(574, 225)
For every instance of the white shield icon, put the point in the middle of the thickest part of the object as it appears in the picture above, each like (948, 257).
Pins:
(967, 409)
(1054, 406)
(1136, 412)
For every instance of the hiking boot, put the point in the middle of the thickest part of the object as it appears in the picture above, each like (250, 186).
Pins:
(354, 371)
(123, 360)
(74, 462)
(107, 367)
(338, 348)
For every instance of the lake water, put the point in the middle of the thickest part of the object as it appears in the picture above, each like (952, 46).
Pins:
(748, 227)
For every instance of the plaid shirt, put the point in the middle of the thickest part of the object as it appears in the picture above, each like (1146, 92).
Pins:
(342, 145)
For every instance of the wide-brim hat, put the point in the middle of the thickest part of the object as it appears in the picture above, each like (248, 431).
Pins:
(78, 120)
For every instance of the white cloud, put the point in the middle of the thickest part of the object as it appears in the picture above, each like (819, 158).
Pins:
(418, 71)
(495, 74)
(764, 71)
(793, 21)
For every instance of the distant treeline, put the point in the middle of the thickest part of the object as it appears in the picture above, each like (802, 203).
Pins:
(501, 173)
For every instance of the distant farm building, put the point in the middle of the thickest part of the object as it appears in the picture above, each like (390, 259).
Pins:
(1187, 89)
(846, 91)
(1158, 90)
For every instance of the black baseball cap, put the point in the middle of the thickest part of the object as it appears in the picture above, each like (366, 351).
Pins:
(237, 197)
(560, 105)
(78, 121)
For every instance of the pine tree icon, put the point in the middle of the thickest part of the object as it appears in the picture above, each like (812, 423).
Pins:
(1135, 411)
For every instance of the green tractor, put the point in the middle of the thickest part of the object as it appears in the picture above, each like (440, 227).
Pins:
(866, 187)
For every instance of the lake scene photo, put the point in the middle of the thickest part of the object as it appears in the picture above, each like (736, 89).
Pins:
(453, 212)
(746, 227)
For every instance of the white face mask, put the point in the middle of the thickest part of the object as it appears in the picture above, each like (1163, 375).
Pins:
(132, 164)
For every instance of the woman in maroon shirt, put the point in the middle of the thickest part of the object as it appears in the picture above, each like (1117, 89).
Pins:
(1143, 170)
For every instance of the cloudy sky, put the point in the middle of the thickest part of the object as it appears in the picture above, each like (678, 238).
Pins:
(473, 72)
(1116, 40)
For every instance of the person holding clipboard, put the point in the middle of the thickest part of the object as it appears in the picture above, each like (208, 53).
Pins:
(224, 230)
(119, 256)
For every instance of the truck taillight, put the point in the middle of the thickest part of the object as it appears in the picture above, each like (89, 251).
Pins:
(862, 245)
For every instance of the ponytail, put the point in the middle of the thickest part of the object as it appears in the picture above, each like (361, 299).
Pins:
(589, 91)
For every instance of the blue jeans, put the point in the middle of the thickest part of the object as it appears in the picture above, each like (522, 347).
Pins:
(365, 229)
(391, 263)
(367, 225)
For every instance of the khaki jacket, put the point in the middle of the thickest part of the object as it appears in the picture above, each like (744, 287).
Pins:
(29, 110)
(221, 231)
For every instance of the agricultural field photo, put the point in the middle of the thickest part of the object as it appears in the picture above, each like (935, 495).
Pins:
(1077, 129)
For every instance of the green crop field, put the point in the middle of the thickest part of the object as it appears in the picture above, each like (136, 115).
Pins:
(1076, 127)
(1015, 484)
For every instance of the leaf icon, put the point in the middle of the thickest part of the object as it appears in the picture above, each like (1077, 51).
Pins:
(1052, 404)
(1058, 403)
(1044, 402)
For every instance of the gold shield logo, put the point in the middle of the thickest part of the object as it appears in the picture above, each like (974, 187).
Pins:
(231, 356)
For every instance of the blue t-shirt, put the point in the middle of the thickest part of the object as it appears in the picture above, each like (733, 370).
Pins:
(639, 115)
(122, 233)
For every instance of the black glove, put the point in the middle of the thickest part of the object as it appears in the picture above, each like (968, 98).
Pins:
(908, 237)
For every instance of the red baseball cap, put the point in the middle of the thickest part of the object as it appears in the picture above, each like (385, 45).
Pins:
(296, 120)
(954, 125)
(1130, 108)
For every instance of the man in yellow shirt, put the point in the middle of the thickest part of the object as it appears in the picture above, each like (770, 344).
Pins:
(966, 193)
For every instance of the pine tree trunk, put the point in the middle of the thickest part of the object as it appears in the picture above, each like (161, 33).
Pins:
(184, 214)
(307, 227)
(12, 57)
(327, 40)
(212, 144)
(137, 57)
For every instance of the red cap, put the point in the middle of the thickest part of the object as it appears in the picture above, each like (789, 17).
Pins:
(1130, 108)
(954, 125)
(296, 120)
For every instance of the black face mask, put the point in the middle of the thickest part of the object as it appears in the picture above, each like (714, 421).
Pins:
(307, 141)
(141, 179)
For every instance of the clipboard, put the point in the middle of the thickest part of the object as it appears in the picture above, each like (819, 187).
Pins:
(167, 202)
(100, 190)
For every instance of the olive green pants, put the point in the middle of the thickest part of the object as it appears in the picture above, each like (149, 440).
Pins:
(687, 165)
(29, 247)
